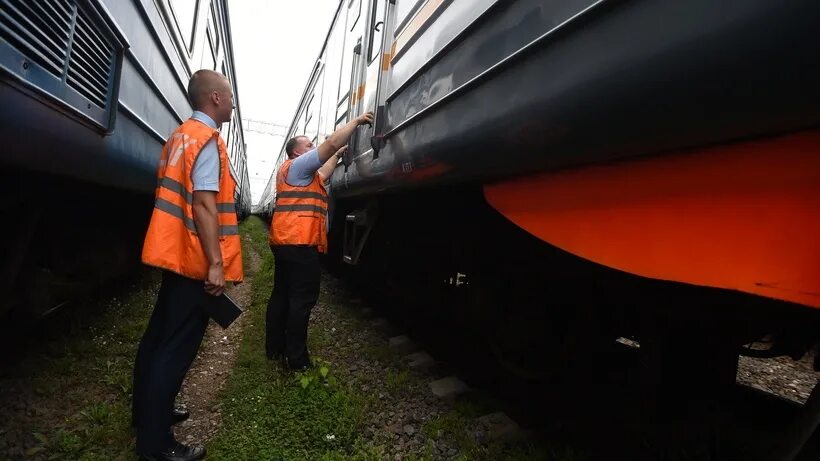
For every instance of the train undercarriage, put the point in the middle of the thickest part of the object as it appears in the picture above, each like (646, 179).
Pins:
(531, 316)
(63, 238)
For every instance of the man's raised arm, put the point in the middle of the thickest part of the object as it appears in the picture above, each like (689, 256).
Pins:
(340, 137)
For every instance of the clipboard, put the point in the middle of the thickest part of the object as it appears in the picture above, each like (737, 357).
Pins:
(222, 309)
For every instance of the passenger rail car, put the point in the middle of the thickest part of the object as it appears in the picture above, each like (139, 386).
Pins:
(91, 90)
(553, 175)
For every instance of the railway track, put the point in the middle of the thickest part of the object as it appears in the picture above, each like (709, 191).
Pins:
(604, 412)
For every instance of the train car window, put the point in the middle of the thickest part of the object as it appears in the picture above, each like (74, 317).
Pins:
(405, 10)
(226, 131)
(309, 115)
(344, 78)
(309, 109)
(376, 30)
(212, 24)
(184, 12)
(300, 125)
(354, 10)
(210, 57)
(233, 148)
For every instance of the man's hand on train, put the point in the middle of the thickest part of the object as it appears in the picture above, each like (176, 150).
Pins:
(367, 118)
(339, 153)
(215, 284)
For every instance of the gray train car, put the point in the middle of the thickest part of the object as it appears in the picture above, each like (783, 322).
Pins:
(92, 89)
(551, 176)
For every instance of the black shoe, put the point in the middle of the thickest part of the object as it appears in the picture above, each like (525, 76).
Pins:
(179, 414)
(297, 367)
(179, 453)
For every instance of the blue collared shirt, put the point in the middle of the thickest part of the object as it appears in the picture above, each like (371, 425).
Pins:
(205, 174)
(304, 168)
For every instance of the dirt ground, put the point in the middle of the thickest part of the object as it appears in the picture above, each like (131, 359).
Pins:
(782, 376)
(212, 367)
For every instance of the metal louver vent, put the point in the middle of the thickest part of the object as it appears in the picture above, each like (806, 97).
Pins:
(40, 28)
(91, 62)
(68, 52)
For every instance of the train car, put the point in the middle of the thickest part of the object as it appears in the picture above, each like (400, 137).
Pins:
(91, 90)
(553, 176)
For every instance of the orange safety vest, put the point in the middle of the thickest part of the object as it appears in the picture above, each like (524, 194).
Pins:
(300, 212)
(172, 242)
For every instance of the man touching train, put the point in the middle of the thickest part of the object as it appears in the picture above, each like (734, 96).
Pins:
(298, 234)
(193, 237)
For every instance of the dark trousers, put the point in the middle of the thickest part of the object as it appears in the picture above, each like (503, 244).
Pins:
(166, 351)
(297, 275)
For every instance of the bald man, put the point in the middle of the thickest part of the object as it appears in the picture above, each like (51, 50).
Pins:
(297, 237)
(197, 247)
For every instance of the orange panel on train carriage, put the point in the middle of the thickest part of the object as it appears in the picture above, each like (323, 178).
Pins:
(744, 216)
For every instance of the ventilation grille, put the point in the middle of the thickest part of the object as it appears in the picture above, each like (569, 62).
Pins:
(64, 48)
(91, 63)
(40, 29)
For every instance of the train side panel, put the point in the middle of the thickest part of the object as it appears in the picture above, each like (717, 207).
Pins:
(92, 90)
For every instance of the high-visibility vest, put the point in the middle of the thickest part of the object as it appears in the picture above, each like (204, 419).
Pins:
(300, 212)
(172, 241)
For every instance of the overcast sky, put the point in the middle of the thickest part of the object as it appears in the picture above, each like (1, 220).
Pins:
(276, 44)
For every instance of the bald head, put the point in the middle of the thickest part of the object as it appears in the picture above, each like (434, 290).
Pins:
(297, 146)
(202, 83)
(211, 93)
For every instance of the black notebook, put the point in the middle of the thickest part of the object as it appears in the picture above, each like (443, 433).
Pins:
(222, 309)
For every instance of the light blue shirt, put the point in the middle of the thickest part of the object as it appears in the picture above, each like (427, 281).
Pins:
(304, 168)
(205, 174)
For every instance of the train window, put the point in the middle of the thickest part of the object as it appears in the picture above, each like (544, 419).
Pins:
(308, 114)
(214, 28)
(354, 10)
(405, 10)
(309, 110)
(184, 12)
(226, 130)
(209, 58)
(376, 30)
(225, 71)
(344, 78)
(300, 125)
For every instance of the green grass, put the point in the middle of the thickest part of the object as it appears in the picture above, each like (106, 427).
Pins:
(271, 414)
(81, 382)
(82, 386)
(316, 415)
(451, 427)
(396, 382)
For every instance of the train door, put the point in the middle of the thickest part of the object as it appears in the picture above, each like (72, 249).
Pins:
(374, 57)
(377, 64)
(350, 80)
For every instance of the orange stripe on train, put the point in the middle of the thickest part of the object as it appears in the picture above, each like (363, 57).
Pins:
(419, 20)
(742, 216)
